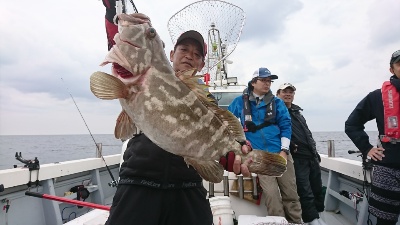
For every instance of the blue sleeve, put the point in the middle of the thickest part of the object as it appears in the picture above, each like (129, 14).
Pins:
(236, 107)
(283, 119)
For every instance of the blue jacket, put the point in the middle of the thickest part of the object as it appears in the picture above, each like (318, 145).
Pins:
(267, 138)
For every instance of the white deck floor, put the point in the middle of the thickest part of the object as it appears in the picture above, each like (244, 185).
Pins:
(332, 218)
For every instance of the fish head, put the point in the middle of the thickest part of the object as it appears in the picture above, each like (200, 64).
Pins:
(138, 47)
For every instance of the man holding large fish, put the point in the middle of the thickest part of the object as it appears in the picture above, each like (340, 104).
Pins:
(161, 176)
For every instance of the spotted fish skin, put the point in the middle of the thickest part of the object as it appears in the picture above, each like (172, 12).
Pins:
(172, 109)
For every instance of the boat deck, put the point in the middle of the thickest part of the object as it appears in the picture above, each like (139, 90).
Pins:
(332, 218)
(97, 216)
(56, 179)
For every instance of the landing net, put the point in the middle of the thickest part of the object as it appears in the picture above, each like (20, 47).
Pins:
(221, 25)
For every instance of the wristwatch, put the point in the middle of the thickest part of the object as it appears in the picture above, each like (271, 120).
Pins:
(286, 151)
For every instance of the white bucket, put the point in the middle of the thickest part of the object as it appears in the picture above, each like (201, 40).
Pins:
(222, 215)
(220, 200)
(252, 219)
(221, 210)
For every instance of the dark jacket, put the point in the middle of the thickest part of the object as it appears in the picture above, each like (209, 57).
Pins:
(301, 135)
(371, 107)
(145, 160)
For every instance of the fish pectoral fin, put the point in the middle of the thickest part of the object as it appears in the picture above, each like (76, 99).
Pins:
(124, 127)
(209, 170)
(186, 73)
(228, 119)
(266, 163)
(106, 86)
(192, 82)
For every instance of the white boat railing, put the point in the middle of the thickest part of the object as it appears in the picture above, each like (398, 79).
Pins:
(20, 176)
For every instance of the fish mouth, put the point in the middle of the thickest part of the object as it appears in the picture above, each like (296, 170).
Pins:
(121, 71)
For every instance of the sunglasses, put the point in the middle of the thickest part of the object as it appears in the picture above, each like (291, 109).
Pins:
(265, 80)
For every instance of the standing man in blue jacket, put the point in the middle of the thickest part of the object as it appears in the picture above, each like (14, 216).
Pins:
(267, 123)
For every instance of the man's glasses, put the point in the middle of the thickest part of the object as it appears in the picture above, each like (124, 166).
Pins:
(265, 80)
(395, 54)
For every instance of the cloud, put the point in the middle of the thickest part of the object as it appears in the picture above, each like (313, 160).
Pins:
(335, 53)
(265, 20)
(383, 28)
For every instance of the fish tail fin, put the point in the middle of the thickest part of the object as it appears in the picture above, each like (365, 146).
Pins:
(266, 163)
(210, 170)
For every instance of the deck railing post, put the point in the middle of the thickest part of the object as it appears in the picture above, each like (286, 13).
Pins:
(210, 190)
(331, 148)
(226, 183)
(99, 150)
(240, 186)
(255, 190)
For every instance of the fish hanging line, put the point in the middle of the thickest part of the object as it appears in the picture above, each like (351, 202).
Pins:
(114, 182)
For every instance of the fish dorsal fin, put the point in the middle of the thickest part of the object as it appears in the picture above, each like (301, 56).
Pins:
(124, 127)
(107, 87)
(188, 77)
(227, 118)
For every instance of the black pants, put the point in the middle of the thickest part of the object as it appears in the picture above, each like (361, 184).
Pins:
(309, 187)
(134, 204)
(384, 201)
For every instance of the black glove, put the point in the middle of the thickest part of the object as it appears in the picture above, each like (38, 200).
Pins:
(250, 126)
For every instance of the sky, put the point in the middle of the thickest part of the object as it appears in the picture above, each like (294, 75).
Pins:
(334, 52)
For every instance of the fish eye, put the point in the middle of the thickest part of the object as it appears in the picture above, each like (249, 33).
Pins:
(151, 32)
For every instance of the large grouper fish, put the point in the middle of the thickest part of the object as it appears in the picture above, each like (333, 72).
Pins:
(172, 109)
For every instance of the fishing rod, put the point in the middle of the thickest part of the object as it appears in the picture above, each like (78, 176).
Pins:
(114, 182)
(67, 200)
(134, 7)
(120, 6)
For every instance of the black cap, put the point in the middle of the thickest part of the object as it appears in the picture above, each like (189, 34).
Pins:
(196, 36)
(395, 57)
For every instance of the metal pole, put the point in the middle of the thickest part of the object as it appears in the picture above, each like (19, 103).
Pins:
(240, 186)
(100, 150)
(210, 190)
(331, 148)
(255, 191)
(226, 183)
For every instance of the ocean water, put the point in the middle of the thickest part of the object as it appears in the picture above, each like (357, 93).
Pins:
(58, 148)
(54, 148)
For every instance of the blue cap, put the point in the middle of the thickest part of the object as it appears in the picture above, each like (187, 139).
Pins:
(264, 72)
